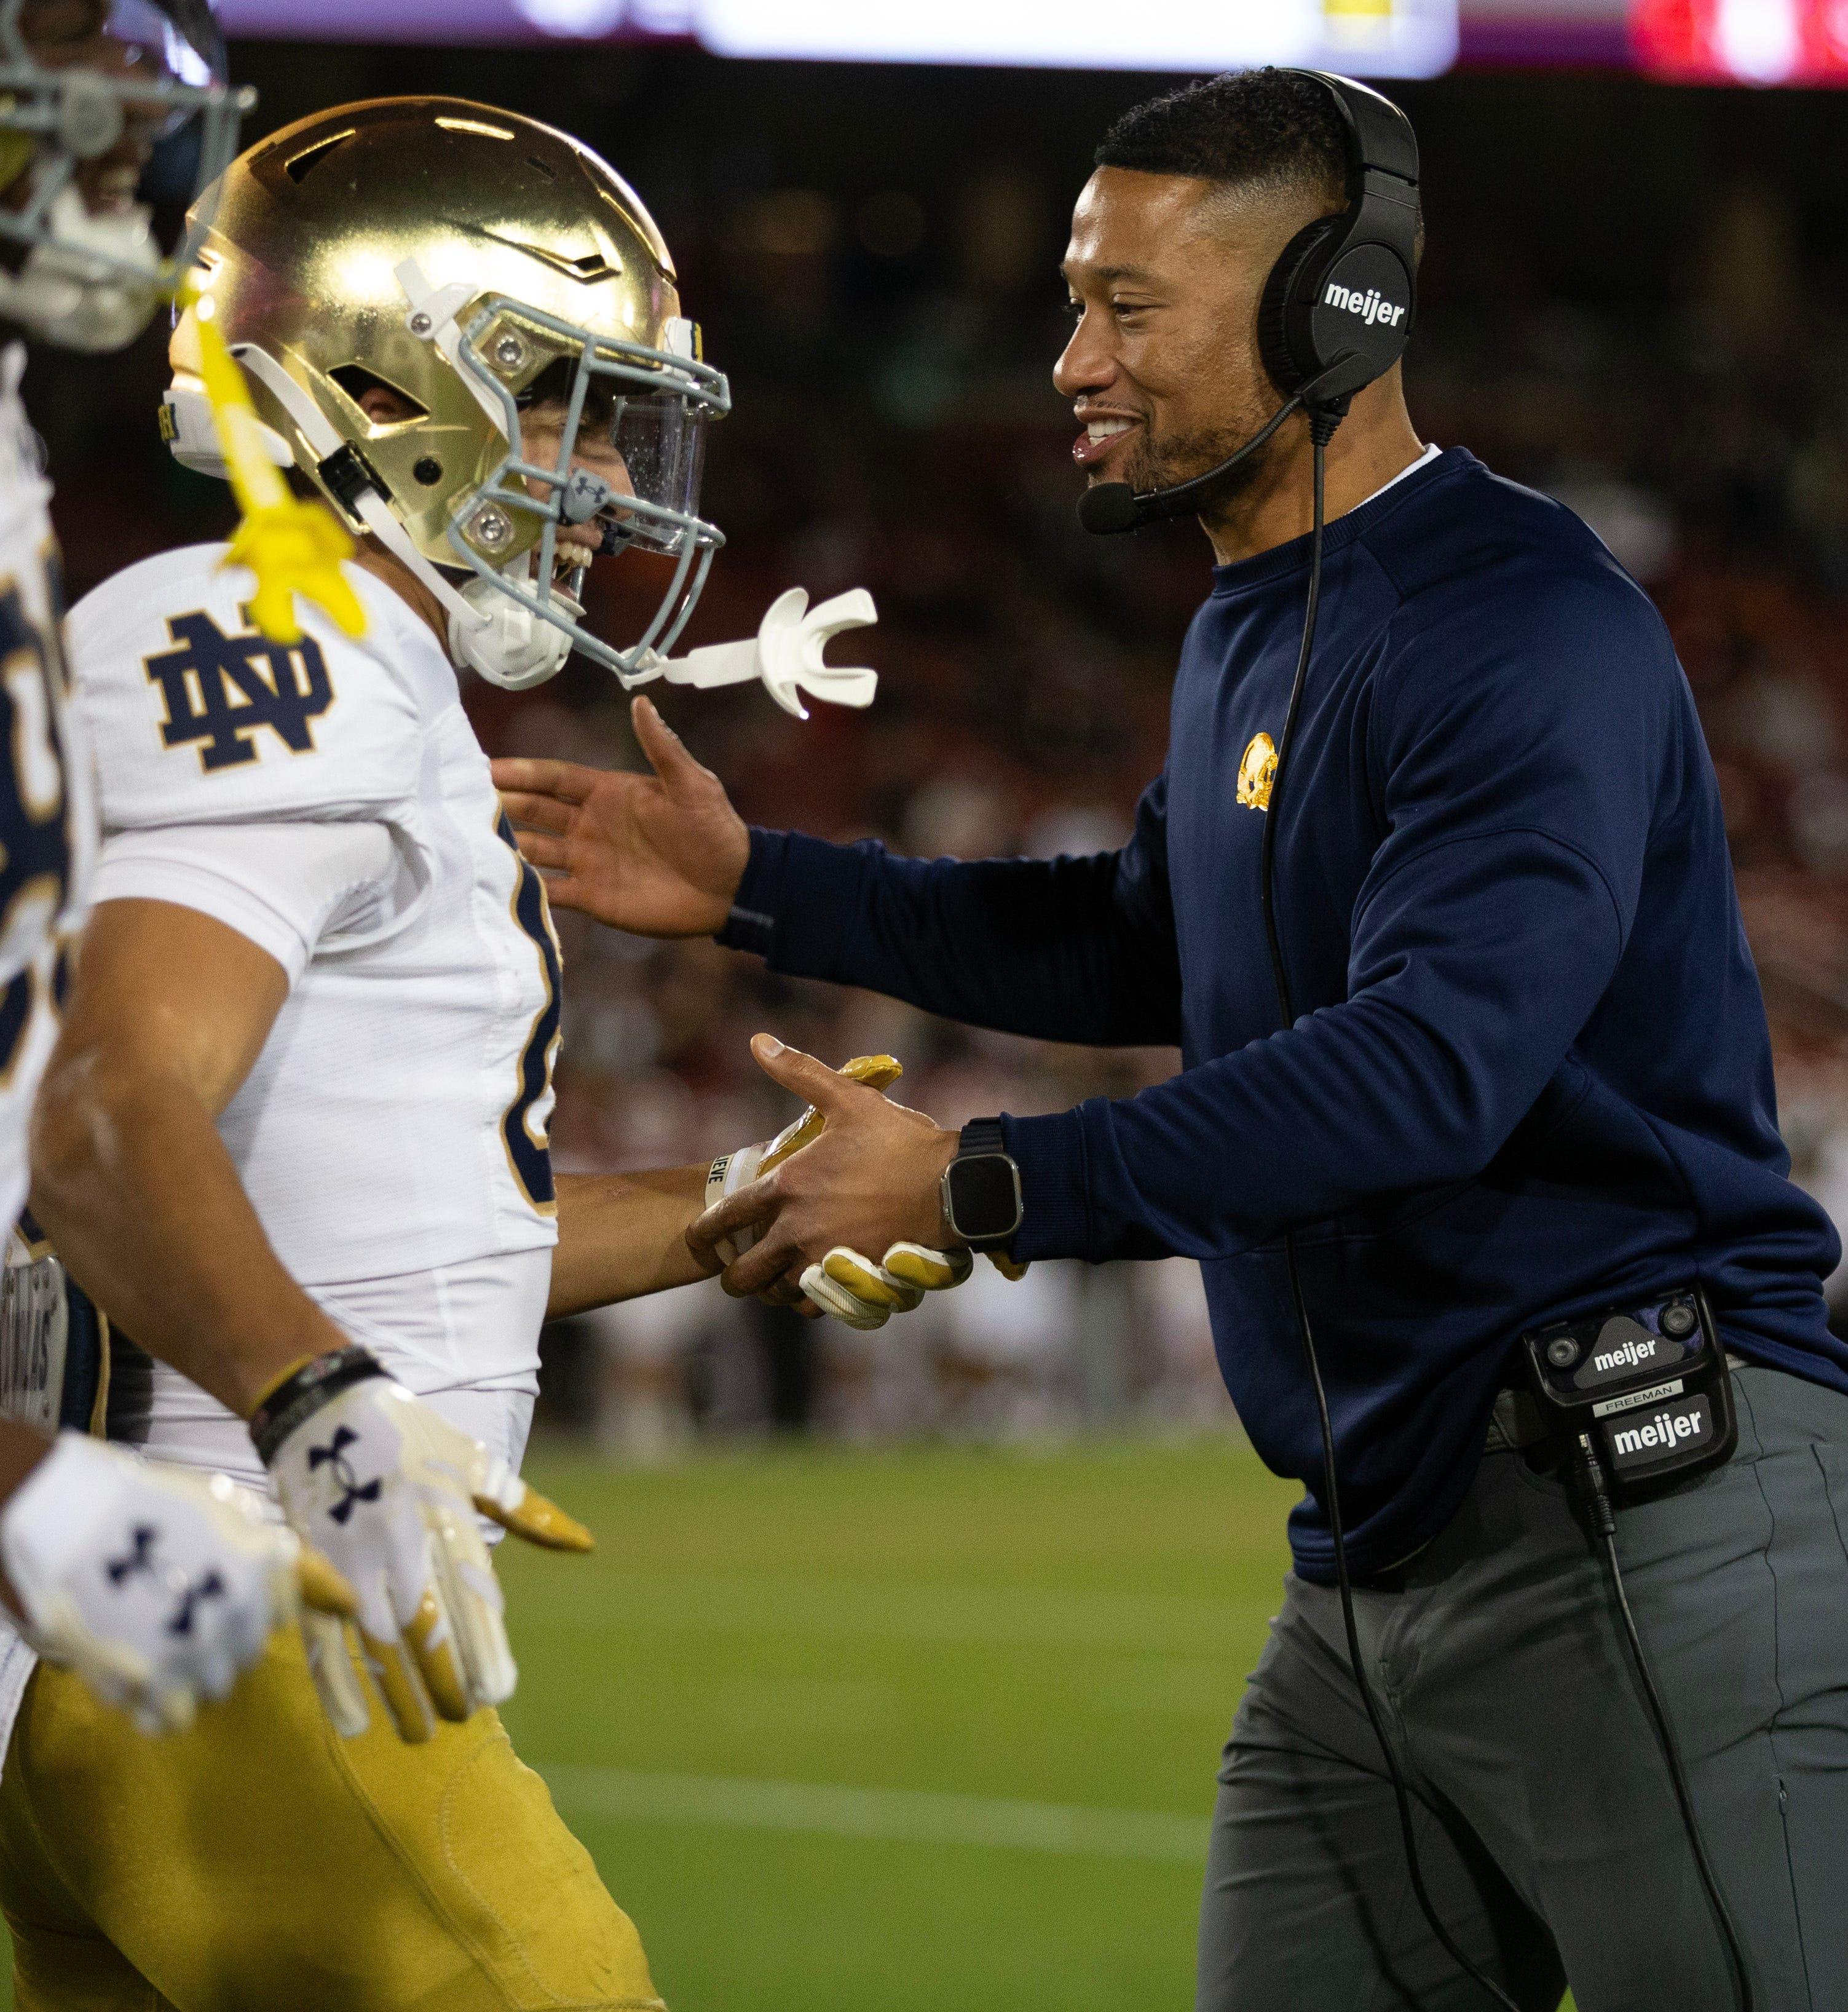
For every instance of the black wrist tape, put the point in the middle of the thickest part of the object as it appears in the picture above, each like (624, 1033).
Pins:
(298, 1397)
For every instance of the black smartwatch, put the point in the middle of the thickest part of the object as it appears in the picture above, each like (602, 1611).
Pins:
(982, 1187)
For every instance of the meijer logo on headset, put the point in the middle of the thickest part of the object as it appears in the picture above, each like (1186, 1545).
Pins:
(1372, 306)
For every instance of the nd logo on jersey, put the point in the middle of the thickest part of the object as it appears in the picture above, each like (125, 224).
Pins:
(220, 690)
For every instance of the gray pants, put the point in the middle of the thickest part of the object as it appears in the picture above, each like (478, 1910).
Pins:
(1547, 1828)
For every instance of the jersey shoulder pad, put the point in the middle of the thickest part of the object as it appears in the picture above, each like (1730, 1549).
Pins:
(196, 718)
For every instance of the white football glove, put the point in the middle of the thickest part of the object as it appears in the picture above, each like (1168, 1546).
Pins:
(850, 1287)
(730, 1172)
(157, 1586)
(388, 1490)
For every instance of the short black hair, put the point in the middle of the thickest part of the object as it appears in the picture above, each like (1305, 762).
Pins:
(1270, 127)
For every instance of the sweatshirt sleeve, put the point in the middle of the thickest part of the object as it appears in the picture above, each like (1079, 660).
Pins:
(1518, 756)
(1062, 950)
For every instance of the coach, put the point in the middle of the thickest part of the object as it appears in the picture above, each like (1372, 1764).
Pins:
(1528, 1078)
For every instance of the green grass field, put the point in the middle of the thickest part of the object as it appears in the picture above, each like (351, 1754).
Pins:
(901, 1729)
(873, 1731)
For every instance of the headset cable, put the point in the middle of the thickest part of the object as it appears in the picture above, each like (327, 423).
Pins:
(1322, 422)
(1586, 1476)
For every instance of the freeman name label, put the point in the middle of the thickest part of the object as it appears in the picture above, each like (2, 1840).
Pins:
(1673, 1388)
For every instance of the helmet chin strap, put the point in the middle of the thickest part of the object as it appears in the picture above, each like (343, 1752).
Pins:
(431, 318)
(367, 505)
(488, 630)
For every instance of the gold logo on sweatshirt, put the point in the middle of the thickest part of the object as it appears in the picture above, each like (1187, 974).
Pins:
(1257, 772)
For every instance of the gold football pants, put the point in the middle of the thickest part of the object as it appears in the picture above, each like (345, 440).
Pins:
(260, 1863)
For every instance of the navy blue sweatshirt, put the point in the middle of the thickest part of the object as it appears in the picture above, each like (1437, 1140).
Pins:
(1530, 1074)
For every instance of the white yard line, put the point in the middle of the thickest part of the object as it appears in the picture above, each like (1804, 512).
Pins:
(910, 1816)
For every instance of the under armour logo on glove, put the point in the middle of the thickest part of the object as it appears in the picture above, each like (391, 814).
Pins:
(156, 1586)
(343, 1472)
(139, 1559)
(210, 1587)
(428, 1612)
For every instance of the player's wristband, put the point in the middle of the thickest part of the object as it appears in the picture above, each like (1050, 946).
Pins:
(728, 1173)
(300, 1395)
(718, 1184)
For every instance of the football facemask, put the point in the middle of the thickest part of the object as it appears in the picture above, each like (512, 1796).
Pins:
(617, 446)
(80, 117)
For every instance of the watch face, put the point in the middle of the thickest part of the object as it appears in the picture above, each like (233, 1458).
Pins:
(984, 1193)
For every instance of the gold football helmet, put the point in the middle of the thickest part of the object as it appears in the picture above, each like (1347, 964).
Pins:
(468, 262)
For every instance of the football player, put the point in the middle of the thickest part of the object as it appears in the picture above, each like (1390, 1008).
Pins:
(154, 1589)
(294, 1136)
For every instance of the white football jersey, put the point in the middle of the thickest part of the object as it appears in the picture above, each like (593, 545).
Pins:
(392, 1134)
(47, 819)
(395, 1119)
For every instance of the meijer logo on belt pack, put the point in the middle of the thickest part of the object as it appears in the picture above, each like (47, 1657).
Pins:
(1372, 306)
(1672, 1429)
(1629, 1354)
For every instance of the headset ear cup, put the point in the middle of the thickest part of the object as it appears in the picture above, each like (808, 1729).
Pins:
(1288, 371)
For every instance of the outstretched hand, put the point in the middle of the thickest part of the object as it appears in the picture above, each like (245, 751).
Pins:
(871, 1180)
(659, 855)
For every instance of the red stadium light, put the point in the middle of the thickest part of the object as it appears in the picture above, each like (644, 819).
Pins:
(1743, 41)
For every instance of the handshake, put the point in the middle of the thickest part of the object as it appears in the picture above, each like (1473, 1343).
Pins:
(747, 1194)
(843, 1210)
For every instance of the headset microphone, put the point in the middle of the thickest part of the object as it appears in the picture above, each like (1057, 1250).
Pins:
(1107, 507)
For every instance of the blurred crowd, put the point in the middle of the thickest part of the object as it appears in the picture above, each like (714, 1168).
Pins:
(890, 343)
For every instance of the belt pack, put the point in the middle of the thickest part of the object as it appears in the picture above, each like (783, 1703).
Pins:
(1650, 1384)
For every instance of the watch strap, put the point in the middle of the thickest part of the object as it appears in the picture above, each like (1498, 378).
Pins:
(980, 1135)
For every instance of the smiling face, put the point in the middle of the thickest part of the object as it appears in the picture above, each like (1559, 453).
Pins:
(542, 433)
(1165, 274)
(541, 429)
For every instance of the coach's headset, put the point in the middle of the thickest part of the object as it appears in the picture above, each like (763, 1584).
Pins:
(1337, 309)
(1335, 314)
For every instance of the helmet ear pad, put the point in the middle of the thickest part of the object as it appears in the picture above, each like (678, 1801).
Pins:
(1289, 372)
